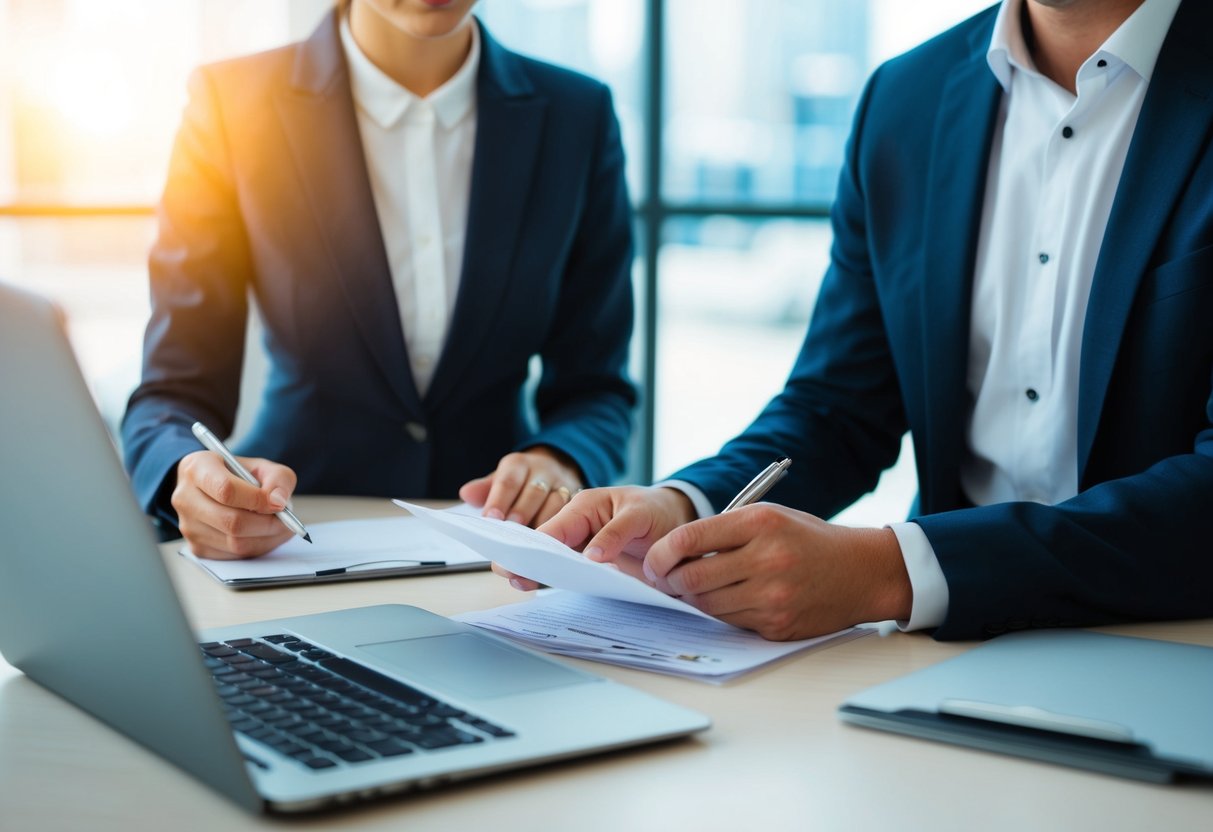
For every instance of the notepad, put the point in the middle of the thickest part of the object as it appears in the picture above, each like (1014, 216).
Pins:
(345, 550)
(597, 612)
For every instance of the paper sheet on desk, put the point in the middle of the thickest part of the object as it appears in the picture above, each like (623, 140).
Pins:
(401, 544)
(541, 558)
(640, 636)
(601, 614)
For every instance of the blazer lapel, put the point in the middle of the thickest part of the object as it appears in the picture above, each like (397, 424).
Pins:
(509, 125)
(1172, 131)
(322, 131)
(957, 175)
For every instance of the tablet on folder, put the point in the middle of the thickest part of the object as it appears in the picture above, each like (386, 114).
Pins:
(1132, 707)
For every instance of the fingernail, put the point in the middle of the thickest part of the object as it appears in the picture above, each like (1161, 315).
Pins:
(649, 573)
(614, 566)
(515, 517)
(494, 514)
(594, 553)
(517, 584)
(278, 497)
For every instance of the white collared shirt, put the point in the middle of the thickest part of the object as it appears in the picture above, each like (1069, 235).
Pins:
(419, 157)
(1055, 163)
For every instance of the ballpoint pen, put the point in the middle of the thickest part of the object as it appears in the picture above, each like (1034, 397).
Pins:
(760, 485)
(213, 443)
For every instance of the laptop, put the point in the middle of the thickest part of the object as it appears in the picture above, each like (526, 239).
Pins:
(289, 715)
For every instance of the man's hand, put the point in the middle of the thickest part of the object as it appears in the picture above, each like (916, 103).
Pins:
(221, 516)
(528, 486)
(783, 573)
(614, 525)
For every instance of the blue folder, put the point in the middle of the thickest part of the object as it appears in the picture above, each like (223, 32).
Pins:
(1132, 707)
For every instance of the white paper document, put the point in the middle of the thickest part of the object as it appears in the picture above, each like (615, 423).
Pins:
(346, 550)
(600, 613)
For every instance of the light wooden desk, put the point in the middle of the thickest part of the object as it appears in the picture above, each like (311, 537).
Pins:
(776, 758)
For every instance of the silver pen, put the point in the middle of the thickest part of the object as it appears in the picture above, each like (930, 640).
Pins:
(214, 443)
(760, 485)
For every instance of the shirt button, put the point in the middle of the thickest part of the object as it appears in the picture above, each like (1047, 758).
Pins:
(1101, 63)
(1031, 394)
(424, 240)
(416, 430)
(1044, 258)
(1067, 132)
(424, 362)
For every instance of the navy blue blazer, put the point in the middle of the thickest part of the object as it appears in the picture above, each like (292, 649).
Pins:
(887, 351)
(268, 193)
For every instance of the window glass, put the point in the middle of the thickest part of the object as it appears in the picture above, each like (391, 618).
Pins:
(760, 95)
(91, 93)
(601, 38)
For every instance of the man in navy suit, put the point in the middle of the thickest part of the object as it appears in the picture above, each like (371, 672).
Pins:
(1022, 277)
(418, 213)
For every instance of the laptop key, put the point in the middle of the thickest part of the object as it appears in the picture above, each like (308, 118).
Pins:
(389, 748)
(318, 762)
(267, 653)
(375, 681)
(354, 755)
(279, 638)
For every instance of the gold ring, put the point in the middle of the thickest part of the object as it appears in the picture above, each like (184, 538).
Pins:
(564, 492)
(542, 485)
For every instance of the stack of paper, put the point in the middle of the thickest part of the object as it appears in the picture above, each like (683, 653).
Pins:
(602, 614)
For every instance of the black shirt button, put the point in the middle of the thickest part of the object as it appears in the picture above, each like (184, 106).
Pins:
(1067, 132)
(1101, 63)
(1044, 258)
(1031, 394)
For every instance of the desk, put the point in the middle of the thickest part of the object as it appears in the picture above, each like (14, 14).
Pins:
(776, 758)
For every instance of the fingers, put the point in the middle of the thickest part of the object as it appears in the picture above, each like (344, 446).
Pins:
(476, 492)
(528, 487)
(694, 540)
(516, 581)
(221, 515)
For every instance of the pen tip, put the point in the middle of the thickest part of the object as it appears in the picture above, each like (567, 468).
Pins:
(308, 538)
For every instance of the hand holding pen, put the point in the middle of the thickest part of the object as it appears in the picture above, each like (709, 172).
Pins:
(233, 508)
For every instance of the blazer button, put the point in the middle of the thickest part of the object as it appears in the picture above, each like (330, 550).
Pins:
(417, 431)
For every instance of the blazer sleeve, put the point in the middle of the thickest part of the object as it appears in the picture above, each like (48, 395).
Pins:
(584, 399)
(1135, 548)
(199, 270)
(840, 416)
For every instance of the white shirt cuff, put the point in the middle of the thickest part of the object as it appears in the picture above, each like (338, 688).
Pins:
(703, 506)
(930, 605)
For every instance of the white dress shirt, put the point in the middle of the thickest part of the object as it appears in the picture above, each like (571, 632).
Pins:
(1055, 162)
(419, 157)
(1054, 166)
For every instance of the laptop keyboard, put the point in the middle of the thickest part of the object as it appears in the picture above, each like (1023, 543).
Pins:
(326, 711)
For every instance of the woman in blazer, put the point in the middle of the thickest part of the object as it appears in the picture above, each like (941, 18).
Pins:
(417, 213)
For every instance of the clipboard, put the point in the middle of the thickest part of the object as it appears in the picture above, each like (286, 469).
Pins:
(1131, 707)
(348, 550)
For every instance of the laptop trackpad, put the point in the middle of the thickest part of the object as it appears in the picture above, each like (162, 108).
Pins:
(471, 665)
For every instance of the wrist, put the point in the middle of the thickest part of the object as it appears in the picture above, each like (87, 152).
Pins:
(678, 505)
(891, 594)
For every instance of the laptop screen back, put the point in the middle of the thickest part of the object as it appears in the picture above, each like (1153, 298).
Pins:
(86, 606)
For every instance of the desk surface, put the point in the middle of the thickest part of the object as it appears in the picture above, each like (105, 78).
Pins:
(776, 758)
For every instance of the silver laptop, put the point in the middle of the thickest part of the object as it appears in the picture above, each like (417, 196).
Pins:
(290, 715)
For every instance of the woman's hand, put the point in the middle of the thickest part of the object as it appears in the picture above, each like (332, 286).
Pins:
(528, 486)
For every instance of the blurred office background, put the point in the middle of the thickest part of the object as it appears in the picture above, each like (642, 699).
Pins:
(734, 117)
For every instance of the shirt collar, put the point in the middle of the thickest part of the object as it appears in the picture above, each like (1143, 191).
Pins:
(386, 101)
(1136, 43)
